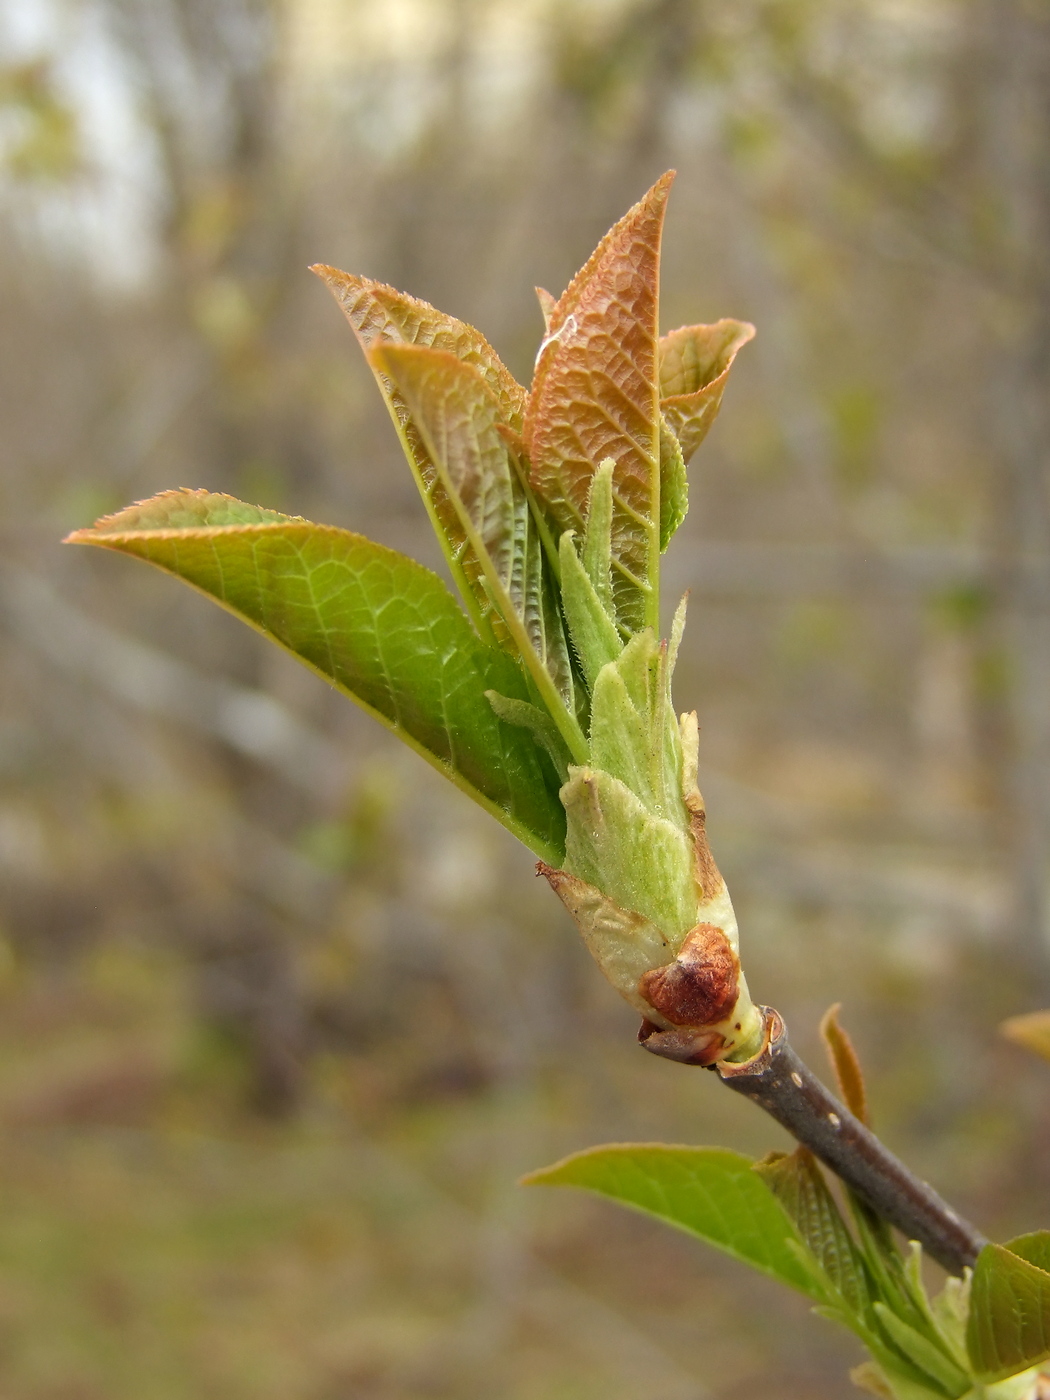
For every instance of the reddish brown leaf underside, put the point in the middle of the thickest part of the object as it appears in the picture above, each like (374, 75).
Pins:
(595, 395)
(694, 367)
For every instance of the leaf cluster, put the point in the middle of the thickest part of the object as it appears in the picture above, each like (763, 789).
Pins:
(780, 1217)
(552, 506)
(978, 1339)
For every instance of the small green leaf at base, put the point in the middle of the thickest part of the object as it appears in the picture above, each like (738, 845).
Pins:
(709, 1192)
(1009, 1325)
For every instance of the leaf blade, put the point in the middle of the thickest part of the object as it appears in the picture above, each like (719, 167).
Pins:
(381, 315)
(1009, 1324)
(458, 418)
(595, 395)
(379, 626)
(709, 1192)
(694, 368)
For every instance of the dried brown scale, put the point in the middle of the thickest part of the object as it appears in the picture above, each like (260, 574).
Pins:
(701, 986)
(708, 876)
(688, 1045)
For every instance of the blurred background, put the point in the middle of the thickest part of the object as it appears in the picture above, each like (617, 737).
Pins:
(283, 1016)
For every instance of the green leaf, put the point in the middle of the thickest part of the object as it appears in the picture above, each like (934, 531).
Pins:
(796, 1181)
(1034, 1247)
(634, 733)
(922, 1352)
(674, 484)
(642, 862)
(1009, 1325)
(709, 1192)
(381, 627)
(380, 315)
(595, 395)
(694, 367)
(596, 555)
(594, 636)
(458, 418)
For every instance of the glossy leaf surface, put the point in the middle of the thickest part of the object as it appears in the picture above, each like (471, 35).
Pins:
(1009, 1325)
(381, 627)
(710, 1192)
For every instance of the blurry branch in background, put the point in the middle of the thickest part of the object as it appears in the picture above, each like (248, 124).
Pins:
(249, 721)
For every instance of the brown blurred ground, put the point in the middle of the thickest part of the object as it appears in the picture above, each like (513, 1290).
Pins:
(223, 1172)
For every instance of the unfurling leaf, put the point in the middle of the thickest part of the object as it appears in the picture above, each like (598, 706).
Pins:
(596, 555)
(382, 316)
(694, 367)
(634, 733)
(674, 484)
(709, 1192)
(458, 419)
(642, 862)
(595, 395)
(1009, 1325)
(594, 636)
(796, 1181)
(381, 627)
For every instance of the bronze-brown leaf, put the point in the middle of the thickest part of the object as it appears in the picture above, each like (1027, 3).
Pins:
(595, 395)
(694, 366)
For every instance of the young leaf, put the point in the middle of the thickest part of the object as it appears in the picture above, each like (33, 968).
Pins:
(596, 555)
(709, 1192)
(642, 862)
(1009, 1325)
(1034, 1247)
(595, 395)
(457, 417)
(674, 483)
(930, 1358)
(634, 733)
(538, 723)
(594, 635)
(694, 367)
(796, 1181)
(381, 627)
(380, 315)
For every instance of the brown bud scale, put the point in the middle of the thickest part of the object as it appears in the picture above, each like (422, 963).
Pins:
(701, 986)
